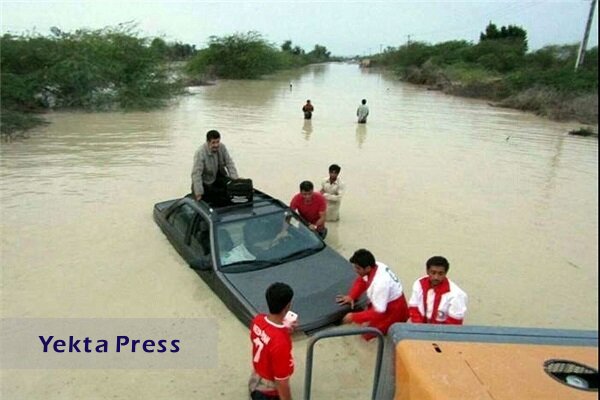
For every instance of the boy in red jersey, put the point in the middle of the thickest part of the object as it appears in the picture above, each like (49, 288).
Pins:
(272, 347)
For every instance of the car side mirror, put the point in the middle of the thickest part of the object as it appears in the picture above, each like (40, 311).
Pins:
(201, 264)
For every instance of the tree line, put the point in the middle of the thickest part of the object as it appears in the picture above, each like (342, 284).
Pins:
(115, 68)
(249, 55)
(499, 67)
(86, 69)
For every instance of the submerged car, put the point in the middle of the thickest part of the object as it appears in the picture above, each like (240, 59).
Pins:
(240, 249)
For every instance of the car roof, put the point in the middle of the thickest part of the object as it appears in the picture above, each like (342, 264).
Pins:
(261, 204)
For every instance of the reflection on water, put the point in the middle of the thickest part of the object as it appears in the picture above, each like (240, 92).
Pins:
(361, 134)
(307, 128)
(436, 176)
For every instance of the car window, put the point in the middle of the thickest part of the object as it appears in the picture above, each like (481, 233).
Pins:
(200, 237)
(266, 238)
(231, 245)
(181, 218)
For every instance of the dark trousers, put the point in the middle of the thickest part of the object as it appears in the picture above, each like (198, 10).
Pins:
(322, 233)
(215, 194)
(256, 395)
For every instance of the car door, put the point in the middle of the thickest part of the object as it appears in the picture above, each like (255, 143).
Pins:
(199, 239)
(181, 221)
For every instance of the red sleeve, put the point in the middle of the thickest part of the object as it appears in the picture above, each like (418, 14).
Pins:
(415, 315)
(358, 288)
(294, 203)
(281, 358)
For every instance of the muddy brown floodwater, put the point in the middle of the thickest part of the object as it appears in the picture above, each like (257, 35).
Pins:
(509, 198)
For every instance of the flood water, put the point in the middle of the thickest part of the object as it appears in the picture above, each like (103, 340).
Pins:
(509, 198)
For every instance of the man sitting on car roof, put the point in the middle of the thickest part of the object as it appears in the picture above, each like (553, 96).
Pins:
(213, 168)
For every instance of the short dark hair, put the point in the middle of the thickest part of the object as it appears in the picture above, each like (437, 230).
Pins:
(363, 258)
(306, 186)
(438, 261)
(308, 101)
(364, 101)
(335, 168)
(212, 134)
(278, 296)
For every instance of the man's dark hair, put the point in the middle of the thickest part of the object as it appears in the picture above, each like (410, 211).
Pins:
(212, 134)
(363, 258)
(438, 261)
(335, 168)
(364, 101)
(278, 295)
(306, 186)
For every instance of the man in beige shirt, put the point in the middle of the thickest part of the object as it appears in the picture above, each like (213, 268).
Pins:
(332, 189)
(213, 168)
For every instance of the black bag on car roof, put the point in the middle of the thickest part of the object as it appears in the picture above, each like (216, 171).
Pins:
(240, 190)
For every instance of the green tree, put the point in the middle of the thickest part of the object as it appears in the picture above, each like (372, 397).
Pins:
(287, 46)
(511, 34)
(238, 56)
(319, 53)
(90, 69)
(159, 46)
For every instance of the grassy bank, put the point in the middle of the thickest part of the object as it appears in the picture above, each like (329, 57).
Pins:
(105, 69)
(500, 69)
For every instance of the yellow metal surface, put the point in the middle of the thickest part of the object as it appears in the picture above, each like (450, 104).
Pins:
(495, 371)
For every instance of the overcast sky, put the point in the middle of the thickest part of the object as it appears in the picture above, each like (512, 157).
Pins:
(344, 27)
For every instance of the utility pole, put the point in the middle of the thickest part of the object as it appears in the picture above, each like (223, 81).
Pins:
(583, 45)
(408, 40)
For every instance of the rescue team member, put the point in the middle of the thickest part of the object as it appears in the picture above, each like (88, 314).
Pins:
(312, 206)
(213, 168)
(387, 304)
(435, 298)
(272, 347)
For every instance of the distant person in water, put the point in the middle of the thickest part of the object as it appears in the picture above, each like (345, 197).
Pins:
(308, 110)
(362, 112)
(333, 190)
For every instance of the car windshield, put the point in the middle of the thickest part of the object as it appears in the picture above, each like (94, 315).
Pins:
(264, 241)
